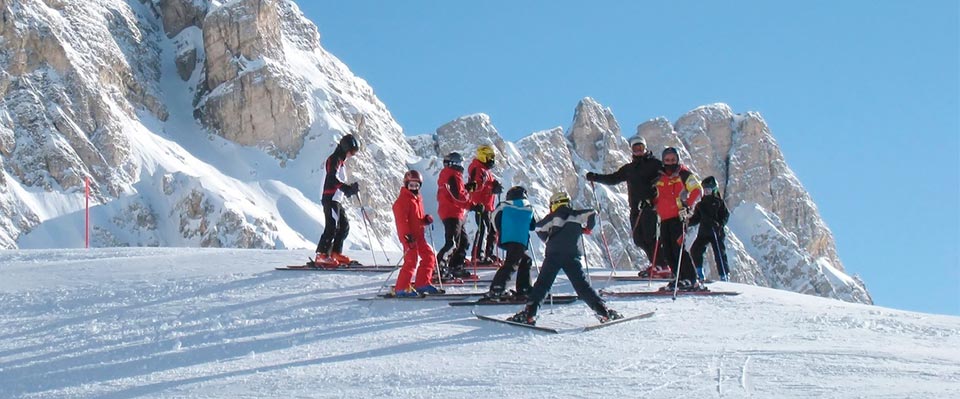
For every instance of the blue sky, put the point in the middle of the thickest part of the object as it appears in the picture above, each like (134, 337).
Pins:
(862, 97)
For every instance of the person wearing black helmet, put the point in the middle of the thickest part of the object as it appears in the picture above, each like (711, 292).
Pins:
(678, 191)
(513, 221)
(452, 203)
(336, 226)
(640, 174)
(711, 214)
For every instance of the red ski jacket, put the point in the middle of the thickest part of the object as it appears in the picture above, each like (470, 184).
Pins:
(408, 211)
(670, 190)
(452, 197)
(483, 178)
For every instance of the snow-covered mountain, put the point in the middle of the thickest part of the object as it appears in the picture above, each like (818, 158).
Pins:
(206, 123)
(215, 323)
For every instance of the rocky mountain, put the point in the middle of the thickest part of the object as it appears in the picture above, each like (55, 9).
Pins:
(206, 123)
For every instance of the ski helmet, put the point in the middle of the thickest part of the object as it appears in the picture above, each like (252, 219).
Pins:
(412, 176)
(485, 153)
(638, 140)
(349, 144)
(670, 150)
(558, 199)
(453, 159)
(516, 192)
(709, 185)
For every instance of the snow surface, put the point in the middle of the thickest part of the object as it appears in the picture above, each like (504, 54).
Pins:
(200, 323)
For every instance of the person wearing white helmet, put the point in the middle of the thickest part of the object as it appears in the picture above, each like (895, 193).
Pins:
(640, 175)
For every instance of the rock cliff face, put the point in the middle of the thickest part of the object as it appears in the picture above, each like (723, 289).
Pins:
(207, 123)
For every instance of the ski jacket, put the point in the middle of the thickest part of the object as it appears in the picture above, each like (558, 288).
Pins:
(561, 230)
(675, 190)
(452, 197)
(641, 174)
(483, 178)
(513, 221)
(408, 212)
(334, 176)
(711, 212)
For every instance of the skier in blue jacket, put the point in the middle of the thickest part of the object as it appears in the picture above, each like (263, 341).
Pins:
(562, 229)
(513, 221)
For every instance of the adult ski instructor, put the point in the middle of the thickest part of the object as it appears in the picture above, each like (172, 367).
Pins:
(641, 175)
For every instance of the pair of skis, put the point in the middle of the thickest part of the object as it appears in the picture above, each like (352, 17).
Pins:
(552, 330)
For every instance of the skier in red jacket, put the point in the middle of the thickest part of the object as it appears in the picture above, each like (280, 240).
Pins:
(678, 191)
(411, 222)
(453, 202)
(483, 188)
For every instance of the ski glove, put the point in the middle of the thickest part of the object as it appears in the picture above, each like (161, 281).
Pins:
(685, 213)
(587, 231)
(497, 187)
(428, 220)
(591, 176)
(471, 186)
(409, 238)
(350, 189)
(476, 208)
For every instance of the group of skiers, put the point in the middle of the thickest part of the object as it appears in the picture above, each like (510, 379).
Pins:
(660, 192)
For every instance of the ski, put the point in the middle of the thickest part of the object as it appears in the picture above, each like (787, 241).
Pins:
(444, 296)
(512, 323)
(368, 269)
(557, 300)
(631, 278)
(618, 321)
(638, 294)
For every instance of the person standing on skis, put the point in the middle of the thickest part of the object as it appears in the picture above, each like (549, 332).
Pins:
(336, 226)
(711, 214)
(411, 224)
(452, 204)
(513, 221)
(483, 188)
(678, 191)
(562, 230)
(640, 174)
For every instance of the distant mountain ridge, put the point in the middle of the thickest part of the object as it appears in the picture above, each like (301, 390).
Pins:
(206, 123)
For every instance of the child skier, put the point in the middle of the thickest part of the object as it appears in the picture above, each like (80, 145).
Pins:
(483, 187)
(513, 220)
(561, 229)
(411, 222)
(452, 204)
(336, 227)
(711, 214)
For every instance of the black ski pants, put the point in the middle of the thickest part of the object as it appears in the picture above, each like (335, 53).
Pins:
(335, 230)
(516, 258)
(715, 237)
(455, 238)
(572, 266)
(671, 233)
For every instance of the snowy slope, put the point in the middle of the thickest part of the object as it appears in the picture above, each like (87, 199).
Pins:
(205, 323)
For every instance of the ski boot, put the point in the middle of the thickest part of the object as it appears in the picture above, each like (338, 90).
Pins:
(524, 316)
(341, 259)
(405, 293)
(429, 290)
(611, 315)
(493, 296)
(324, 261)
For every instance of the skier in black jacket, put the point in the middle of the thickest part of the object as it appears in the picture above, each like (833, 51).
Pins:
(641, 174)
(711, 214)
(561, 230)
(336, 226)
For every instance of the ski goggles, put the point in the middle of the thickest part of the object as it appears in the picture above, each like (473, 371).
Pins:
(413, 185)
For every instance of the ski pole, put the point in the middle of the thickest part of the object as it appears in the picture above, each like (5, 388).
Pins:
(437, 263)
(367, 224)
(385, 281)
(683, 236)
(719, 256)
(603, 235)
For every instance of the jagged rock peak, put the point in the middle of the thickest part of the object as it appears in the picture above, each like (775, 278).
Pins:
(595, 135)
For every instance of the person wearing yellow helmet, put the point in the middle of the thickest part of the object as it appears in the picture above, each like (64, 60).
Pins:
(483, 188)
(561, 231)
